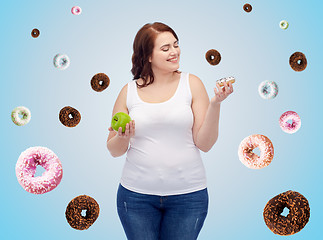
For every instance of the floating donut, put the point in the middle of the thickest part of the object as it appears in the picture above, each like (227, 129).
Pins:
(35, 33)
(297, 218)
(76, 10)
(247, 7)
(298, 61)
(26, 116)
(283, 24)
(99, 82)
(74, 210)
(290, 127)
(252, 160)
(268, 89)
(61, 61)
(26, 169)
(213, 57)
(69, 116)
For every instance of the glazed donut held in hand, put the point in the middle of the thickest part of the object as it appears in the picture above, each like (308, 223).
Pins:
(226, 79)
(221, 93)
(123, 124)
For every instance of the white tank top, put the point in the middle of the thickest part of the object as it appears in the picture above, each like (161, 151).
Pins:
(162, 158)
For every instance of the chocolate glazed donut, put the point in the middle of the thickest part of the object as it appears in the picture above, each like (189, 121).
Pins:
(247, 7)
(298, 61)
(213, 57)
(99, 82)
(69, 116)
(74, 210)
(35, 33)
(297, 218)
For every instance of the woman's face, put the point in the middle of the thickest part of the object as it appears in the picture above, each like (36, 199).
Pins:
(165, 55)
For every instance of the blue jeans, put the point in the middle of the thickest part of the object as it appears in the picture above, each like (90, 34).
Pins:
(152, 217)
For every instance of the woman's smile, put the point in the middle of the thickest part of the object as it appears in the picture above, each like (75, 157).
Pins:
(173, 60)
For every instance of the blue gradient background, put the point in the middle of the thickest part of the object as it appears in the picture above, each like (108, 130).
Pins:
(253, 49)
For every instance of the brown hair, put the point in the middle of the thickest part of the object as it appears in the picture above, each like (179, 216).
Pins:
(142, 50)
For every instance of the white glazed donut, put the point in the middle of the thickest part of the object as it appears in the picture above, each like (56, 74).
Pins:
(268, 89)
(226, 79)
(76, 10)
(21, 110)
(26, 169)
(61, 61)
(252, 160)
(290, 127)
(283, 24)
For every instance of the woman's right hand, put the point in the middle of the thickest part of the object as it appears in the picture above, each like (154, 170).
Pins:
(129, 132)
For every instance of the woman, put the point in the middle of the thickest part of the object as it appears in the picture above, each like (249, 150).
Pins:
(162, 192)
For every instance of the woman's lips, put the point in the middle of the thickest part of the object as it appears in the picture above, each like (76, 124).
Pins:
(173, 60)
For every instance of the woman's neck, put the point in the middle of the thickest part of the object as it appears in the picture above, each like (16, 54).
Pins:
(163, 78)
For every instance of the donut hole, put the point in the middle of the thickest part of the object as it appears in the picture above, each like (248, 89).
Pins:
(299, 61)
(212, 57)
(101, 83)
(256, 151)
(70, 116)
(265, 89)
(285, 212)
(83, 213)
(39, 171)
(63, 62)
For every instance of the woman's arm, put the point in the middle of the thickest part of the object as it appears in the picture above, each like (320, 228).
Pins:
(209, 131)
(117, 146)
(206, 113)
(118, 142)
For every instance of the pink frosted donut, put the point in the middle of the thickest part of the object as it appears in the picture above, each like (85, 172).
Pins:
(76, 10)
(26, 169)
(290, 127)
(252, 160)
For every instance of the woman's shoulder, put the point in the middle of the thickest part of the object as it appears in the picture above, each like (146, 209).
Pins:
(196, 85)
(124, 91)
(195, 80)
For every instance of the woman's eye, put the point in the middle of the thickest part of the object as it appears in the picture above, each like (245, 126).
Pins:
(165, 49)
(176, 46)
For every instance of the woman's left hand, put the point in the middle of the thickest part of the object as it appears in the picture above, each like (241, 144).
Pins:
(221, 93)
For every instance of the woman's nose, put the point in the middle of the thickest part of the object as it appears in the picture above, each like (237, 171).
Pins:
(173, 51)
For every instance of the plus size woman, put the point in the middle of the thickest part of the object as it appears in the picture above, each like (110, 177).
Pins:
(163, 189)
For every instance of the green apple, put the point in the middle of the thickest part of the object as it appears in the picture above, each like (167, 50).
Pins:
(120, 119)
